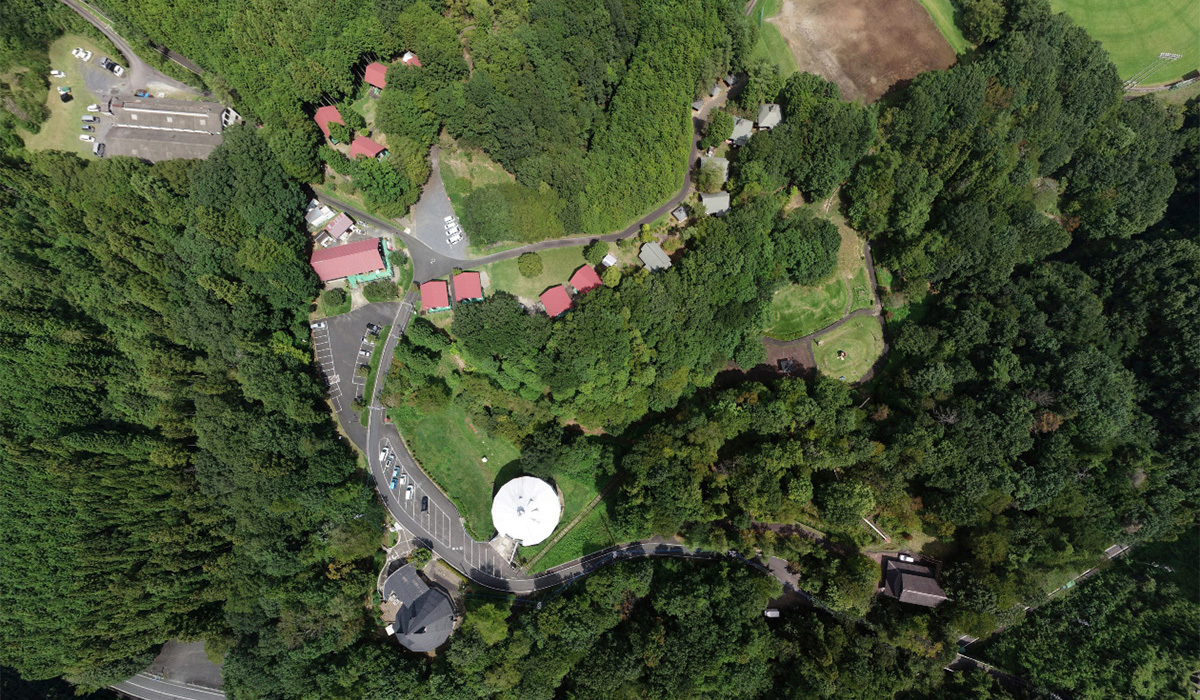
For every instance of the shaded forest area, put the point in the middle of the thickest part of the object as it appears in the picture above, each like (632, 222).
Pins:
(168, 467)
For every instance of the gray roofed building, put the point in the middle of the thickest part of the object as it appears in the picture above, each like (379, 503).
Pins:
(715, 204)
(161, 129)
(742, 128)
(680, 213)
(722, 163)
(910, 582)
(714, 90)
(729, 79)
(154, 145)
(769, 116)
(426, 616)
(697, 105)
(653, 257)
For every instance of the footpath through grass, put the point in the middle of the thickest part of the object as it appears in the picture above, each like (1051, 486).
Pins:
(449, 448)
(942, 12)
(1134, 33)
(771, 44)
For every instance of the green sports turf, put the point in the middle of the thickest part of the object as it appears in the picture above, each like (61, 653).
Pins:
(1134, 33)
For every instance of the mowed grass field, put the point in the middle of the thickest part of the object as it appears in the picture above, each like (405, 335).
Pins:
(449, 449)
(588, 535)
(771, 44)
(860, 338)
(61, 130)
(942, 13)
(558, 264)
(1134, 33)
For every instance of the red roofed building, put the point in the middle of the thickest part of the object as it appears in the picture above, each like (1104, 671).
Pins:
(467, 287)
(355, 258)
(376, 75)
(327, 114)
(363, 146)
(585, 279)
(339, 226)
(556, 301)
(434, 296)
(410, 59)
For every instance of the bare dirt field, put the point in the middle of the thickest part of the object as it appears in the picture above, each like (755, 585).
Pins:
(865, 46)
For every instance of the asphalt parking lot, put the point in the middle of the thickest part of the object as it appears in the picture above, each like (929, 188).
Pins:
(430, 212)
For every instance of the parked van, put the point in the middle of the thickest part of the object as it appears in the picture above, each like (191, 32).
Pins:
(98, 150)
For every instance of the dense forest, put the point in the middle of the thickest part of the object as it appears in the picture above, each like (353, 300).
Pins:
(168, 468)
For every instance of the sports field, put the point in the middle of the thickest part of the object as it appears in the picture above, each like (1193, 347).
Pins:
(1134, 33)
(861, 339)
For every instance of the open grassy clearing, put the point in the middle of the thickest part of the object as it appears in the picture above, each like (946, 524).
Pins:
(860, 291)
(796, 311)
(862, 341)
(449, 447)
(558, 264)
(1134, 33)
(61, 130)
(588, 535)
(771, 44)
(942, 12)
(1180, 96)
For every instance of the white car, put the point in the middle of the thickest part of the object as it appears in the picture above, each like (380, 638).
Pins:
(408, 493)
(383, 453)
(455, 238)
(57, 74)
(449, 220)
(318, 325)
(404, 477)
(906, 558)
(93, 108)
(118, 71)
(89, 139)
(81, 54)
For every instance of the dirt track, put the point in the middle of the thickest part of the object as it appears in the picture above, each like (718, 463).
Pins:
(865, 46)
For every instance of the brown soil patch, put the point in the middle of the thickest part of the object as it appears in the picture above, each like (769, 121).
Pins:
(865, 46)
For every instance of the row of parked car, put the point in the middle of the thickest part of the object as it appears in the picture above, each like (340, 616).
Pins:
(399, 476)
(454, 232)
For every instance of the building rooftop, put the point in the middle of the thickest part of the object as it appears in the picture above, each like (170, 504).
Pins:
(715, 204)
(911, 582)
(410, 59)
(680, 213)
(327, 114)
(716, 162)
(425, 618)
(339, 226)
(769, 116)
(609, 260)
(585, 279)
(653, 257)
(162, 129)
(154, 145)
(376, 75)
(467, 287)
(341, 261)
(435, 296)
(742, 128)
(363, 146)
(556, 300)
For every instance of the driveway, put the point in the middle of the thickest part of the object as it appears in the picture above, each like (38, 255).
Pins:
(430, 212)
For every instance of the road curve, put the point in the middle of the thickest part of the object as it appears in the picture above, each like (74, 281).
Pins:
(148, 686)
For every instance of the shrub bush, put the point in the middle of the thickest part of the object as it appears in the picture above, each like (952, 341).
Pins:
(595, 251)
(381, 290)
(530, 264)
(334, 297)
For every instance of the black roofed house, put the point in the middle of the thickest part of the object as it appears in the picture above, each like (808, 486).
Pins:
(911, 582)
(426, 616)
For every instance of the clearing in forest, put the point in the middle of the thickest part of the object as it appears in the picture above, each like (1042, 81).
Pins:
(558, 264)
(60, 131)
(849, 351)
(1135, 33)
(865, 46)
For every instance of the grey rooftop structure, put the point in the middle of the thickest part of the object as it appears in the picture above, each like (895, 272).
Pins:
(715, 204)
(426, 616)
(680, 213)
(697, 105)
(910, 582)
(653, 257)
(769, 116)
(722, 163)
(156, 129)
(742, 128)
(158, 145)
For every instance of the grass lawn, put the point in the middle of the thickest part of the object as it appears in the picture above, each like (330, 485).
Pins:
(942, 12)
(558, 264)
(771, 44)
(796, 310)
(448, 448)
(465, 169)
(325, 311)
(1134, 33)
(589, 535)
(370, 387)
(61, 130)
(862, 341)
(860, 290)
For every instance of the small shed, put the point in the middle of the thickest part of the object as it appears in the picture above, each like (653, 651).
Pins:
(376, 75)
(325, 115)
(715, 204)
(410, 59)
(467, 287)
(556, 301)
(585, 279)
(697, 105)
(609, 260)
(742, 128)
(679, 214)
(769, 116)
(435, 296)
(363, 146)
(653, 257)
(340, 226)
(714, 90)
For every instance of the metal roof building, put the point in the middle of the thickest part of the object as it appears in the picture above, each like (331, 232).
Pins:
(435, 296)
(325, 115)
(526, 509)
(355, 258)
(769, 116)
(376, 75)
(910, 582)
(156, 129)
(556, 301)
(363, 146)
(742, 128)
(426, 616)
(653, 257)
(715, 204)
(585, 279)
(467, 287)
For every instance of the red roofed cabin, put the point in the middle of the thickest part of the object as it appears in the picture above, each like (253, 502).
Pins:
(363, 146)
(356, 258)
(376, 76)
(467, 287)
(410, 59)
(556, 301)
(434, 296)
(327, 114)
(585, 279)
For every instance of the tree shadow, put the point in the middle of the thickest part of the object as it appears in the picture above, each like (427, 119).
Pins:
(506, 474)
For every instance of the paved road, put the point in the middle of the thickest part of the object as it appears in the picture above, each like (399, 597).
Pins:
(138, 74)
(152, 687)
